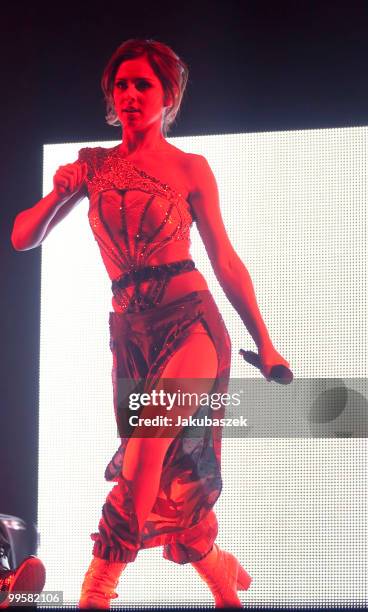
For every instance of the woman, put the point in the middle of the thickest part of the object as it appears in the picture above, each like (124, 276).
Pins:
(166, 331)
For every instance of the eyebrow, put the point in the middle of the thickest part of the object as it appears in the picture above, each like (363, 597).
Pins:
(140, 78)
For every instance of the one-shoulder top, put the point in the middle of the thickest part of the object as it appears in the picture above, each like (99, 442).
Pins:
(133, 216)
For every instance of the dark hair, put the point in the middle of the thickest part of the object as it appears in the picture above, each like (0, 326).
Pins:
(168, 67)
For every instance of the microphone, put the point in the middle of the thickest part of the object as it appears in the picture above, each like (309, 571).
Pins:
(279, 373)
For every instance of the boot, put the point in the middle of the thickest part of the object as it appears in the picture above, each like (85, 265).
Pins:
(224, 576)
(29, 577)
(101, 579)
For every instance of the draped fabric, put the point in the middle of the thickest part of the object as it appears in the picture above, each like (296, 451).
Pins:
(182, 519)
(134, 217)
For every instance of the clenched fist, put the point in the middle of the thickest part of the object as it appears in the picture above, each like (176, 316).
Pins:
(69, 179)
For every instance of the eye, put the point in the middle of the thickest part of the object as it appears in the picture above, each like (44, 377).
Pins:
(142, 84)
(120, 84)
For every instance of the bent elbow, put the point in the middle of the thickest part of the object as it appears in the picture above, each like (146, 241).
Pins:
(221, 269)
(228, 269)
(15, 242)
(18, 245)
(15, 236)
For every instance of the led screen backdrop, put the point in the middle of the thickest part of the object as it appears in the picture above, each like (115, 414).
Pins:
(293, 510)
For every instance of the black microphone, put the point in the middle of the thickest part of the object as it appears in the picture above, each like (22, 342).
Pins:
(279, 373)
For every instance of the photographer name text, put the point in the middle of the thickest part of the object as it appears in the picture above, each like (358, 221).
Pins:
(206, 421)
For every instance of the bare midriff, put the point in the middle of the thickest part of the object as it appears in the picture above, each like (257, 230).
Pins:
(178, 286)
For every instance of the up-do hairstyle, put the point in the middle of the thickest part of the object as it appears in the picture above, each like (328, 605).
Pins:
(168, 67)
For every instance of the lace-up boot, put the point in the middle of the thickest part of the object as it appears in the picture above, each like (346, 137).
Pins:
(100, 582)
(224, 575)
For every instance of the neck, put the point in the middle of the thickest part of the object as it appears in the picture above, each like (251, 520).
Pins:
(147, 141)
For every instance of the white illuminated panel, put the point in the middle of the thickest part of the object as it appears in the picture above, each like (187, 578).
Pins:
(292, 510)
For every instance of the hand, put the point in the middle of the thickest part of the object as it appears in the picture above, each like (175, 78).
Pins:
(271, 364)
(69, 179)
(270, 358)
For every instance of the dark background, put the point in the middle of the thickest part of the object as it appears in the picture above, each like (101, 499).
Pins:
(254, 66)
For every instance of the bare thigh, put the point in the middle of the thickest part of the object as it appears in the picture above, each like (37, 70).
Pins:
(191, 369)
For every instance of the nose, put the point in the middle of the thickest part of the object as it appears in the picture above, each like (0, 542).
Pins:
(130, 92)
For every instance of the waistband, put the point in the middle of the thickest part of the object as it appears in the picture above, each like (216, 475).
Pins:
(140, 275)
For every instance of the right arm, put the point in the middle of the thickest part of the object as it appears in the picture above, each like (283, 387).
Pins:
(31, 226)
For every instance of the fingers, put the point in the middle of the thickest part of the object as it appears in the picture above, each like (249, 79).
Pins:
(68, 179)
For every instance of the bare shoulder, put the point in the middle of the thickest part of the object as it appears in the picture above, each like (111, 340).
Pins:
(192, 167)
(201, 175)
(196, 168)
(183, 156)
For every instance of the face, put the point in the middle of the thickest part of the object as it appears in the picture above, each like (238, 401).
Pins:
(138, 94)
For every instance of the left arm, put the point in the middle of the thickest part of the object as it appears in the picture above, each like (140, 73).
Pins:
(230, 271)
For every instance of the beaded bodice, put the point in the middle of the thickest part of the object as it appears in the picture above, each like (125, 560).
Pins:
(133, 215)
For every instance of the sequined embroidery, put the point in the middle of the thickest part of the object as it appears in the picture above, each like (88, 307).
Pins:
(133, 216)
(108, 169)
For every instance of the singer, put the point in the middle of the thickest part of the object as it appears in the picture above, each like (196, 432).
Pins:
(165, 327)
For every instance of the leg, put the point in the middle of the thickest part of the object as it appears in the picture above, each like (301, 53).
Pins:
(195, 543)
(191, 369)
(225, 576)
(141, 472)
